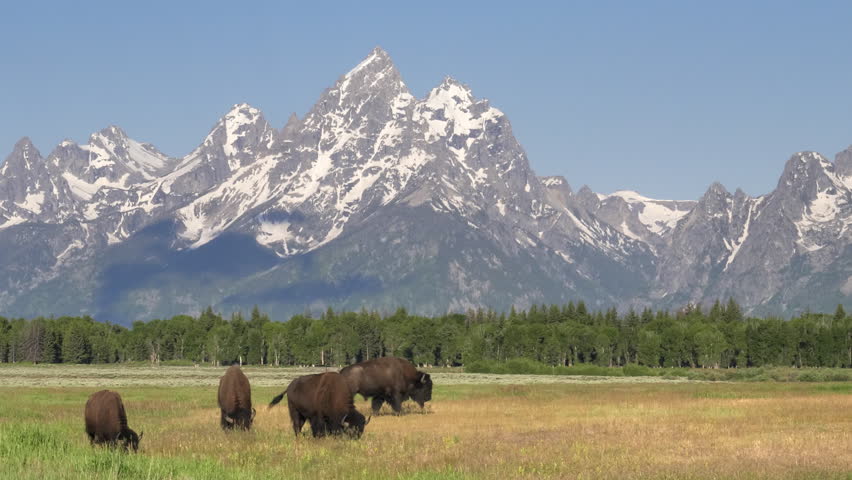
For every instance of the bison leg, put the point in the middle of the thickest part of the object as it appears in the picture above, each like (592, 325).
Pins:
(396, 403)
(298, 420)
(318, 426)
(377, 404)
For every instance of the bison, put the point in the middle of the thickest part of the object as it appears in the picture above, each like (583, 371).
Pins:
(325, 400)
(388, 379)
(235, 400)
(106, 421)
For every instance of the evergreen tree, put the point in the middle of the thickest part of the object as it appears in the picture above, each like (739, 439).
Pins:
(733, 313)
(75, 346)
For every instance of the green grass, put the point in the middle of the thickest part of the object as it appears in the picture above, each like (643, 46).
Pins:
(611, 427)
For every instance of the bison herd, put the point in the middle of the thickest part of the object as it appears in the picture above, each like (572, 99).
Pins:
(326, 400)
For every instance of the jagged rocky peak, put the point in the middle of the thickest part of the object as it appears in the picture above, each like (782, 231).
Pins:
(109, 144)
(375, 76)
(359, 105)
(25, 150)
(376, 67)
(246, 129)
(557, 182)
(586, 193)
(68, 156)
(803, 166)
(557, 190)
(291, 128)
(450, 111)
(23, 154)
(454, 96)
(843, 162)
(112, 132)
(715, 200)
(717, 189)
(239, 138)
(241, 114)
(451, 92)
(29, 188)
(106, 146)
(740, 195)
(22, 172)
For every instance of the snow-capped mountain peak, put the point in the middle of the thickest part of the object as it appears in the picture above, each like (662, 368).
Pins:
(240, 136)
(377, 60)
(375, 76)
(112, 154)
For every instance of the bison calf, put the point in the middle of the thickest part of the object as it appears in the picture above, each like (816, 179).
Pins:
(106, 421)
(323, 399)
(235, 400)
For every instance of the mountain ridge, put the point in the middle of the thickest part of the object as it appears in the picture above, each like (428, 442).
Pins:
(370, 157)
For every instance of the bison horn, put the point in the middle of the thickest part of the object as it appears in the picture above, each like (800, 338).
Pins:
(422, 378)
(343, 420)
(368, 420)
(253, 413)
(229, 419)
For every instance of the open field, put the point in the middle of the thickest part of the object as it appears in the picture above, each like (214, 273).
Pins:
(114, 375)
(626, 427)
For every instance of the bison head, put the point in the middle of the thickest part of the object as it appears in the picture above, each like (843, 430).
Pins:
(354, 423)
(421, 391)
(242, 419)
(130, 439)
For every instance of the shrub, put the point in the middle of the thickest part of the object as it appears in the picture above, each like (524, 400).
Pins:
(633, 370)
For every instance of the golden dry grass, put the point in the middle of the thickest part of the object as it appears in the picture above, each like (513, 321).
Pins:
(685, 430)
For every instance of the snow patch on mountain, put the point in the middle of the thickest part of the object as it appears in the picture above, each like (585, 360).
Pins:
(551, 182)
(33, 202)
(738, 243)
(659, 216)
(274, 233)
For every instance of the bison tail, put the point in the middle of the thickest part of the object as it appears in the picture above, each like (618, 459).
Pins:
(277, 399)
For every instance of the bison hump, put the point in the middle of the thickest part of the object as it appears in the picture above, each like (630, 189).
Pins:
(105, 413)
(234, 390)
(333, 395)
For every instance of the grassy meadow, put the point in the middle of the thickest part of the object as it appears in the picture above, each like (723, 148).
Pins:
(477, 426)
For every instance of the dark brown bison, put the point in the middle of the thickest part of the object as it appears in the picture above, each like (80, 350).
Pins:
(388, 379)
(235, 400)
(106, 421)
(323, 399)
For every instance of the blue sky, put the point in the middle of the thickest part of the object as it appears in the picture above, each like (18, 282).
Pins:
(659, 97)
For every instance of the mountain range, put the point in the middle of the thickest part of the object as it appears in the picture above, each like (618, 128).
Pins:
(377, 199)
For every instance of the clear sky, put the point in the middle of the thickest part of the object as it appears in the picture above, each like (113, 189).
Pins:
(659, 97)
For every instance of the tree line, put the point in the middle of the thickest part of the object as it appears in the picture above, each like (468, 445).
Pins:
(566, 335)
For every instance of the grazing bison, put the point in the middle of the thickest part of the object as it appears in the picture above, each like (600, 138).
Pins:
(235, 400)
(106, 421)
(325, 400)
(388, 379)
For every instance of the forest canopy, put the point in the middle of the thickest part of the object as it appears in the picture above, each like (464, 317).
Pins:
(566, 335)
